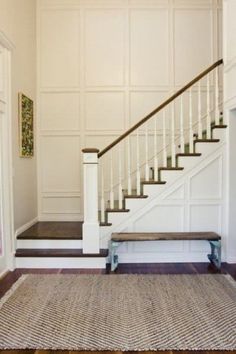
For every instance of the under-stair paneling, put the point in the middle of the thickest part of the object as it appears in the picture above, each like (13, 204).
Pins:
(102, 66)
(194, 202)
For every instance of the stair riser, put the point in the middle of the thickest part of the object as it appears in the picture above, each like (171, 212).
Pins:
(135, 204)
(219, 134)
(170, 176)
(153, 189)
(188, 161)
(59, 244)
(206, 148)
(60, 262)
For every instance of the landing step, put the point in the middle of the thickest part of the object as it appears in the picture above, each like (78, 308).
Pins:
(53, 231)
(168, 236)
(64, 253)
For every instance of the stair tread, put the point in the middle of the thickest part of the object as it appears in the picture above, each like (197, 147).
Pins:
(152, 236)
(52, 230)
(51, 252)
(153, 182)
(170, 168)
(206, 140)
(115, 210)
(133, 196)
(189, 154)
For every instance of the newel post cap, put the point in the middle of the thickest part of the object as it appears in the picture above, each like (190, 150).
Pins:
(90, 151)
(90, 155)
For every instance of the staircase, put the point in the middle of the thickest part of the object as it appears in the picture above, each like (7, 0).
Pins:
(138, 170)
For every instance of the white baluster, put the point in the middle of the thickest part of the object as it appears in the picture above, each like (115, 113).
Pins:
(138, 177)
(129, 167)
(190, 122)
(217, 111)
(182, 148)
(111, 182)
(208, 128)
(146, 154)
(199, 111)
(155, 152)
(120, 192)
(164, 162)
(173, 157)
(102, 196)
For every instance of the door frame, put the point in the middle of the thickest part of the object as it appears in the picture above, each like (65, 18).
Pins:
(6, 168)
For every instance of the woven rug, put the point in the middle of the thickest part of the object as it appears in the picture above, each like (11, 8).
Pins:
(120, 312)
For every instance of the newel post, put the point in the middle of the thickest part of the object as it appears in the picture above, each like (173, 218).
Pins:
(91, 224)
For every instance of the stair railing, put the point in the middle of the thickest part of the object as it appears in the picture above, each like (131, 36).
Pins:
(154, 141)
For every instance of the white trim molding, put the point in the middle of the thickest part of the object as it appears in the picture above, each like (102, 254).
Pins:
(26, 226)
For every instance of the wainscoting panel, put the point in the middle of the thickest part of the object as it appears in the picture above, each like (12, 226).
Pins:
(102, 66)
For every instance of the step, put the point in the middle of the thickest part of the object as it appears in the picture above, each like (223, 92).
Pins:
(63, 258)
(53, 230)
(52, 235)
(167, 236)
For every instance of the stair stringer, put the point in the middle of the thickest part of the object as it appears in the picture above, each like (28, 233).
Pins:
(177, 209)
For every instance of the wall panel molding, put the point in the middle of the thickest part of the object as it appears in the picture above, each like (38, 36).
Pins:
(102, 66)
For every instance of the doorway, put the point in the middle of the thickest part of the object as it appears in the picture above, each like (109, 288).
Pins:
(6, 200)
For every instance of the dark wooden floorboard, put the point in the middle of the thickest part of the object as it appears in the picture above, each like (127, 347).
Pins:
(160, 268)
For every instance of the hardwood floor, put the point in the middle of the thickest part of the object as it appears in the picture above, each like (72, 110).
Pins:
(160, 268)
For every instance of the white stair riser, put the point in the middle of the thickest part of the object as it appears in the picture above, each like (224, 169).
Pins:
(57, 244)
(170, 176)
(206, 148)
(153, 189)
(188, 161)
(60, 262)
(219, 134)
(135, 204)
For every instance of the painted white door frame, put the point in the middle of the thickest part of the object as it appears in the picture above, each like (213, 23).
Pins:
(6, 171)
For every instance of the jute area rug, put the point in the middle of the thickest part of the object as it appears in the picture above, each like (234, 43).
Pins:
(120, 312)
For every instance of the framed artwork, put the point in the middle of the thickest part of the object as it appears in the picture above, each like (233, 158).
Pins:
(26, 126)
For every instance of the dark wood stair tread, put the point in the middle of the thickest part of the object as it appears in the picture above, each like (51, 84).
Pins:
(167, 236)
(117, 210)
(170, 168)
(220, 126)
(133, 196)
(152, 182)
(186, 154)
(105, 223)
(25, 252)
(206, 141)
(53, 231)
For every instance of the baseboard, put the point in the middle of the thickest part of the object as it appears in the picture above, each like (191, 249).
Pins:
(26, 226)
(60, 217)
(231, 259)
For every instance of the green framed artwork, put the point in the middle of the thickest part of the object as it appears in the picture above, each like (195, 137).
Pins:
(26, 126)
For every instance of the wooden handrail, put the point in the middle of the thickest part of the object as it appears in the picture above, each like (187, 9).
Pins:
(159, 108)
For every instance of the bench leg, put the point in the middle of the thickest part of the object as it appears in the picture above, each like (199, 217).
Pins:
(113, 255)
(215, 256)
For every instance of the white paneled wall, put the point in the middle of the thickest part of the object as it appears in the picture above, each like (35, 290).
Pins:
(102, 65)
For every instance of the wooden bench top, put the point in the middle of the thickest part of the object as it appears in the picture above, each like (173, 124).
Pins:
(170, 236)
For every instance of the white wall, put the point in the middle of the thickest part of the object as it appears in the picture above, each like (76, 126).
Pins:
(229, 38)
(18, 22)
(102, 65)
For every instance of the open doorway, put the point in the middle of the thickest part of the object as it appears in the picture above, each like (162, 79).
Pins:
(6, 204)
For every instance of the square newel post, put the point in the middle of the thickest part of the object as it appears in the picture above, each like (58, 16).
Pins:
(91, 224)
